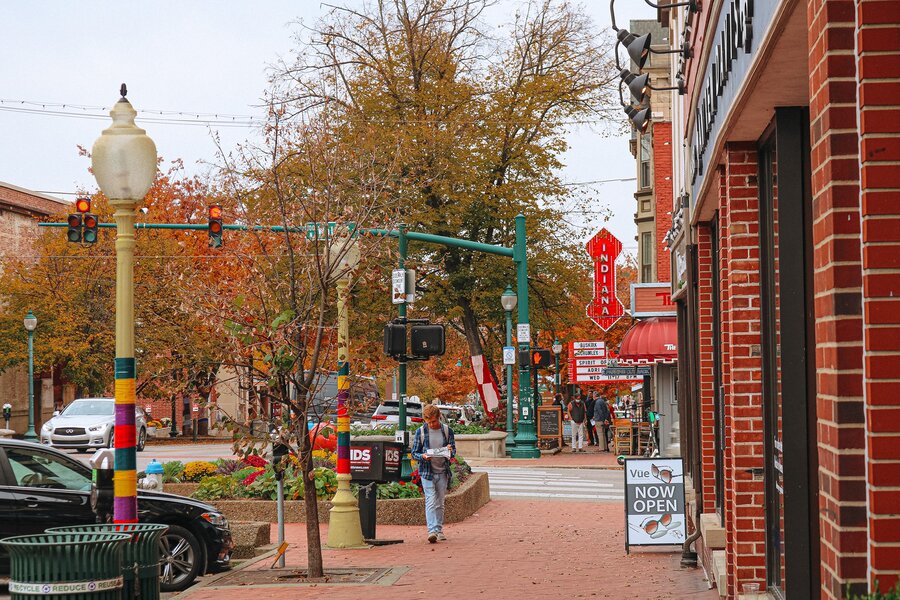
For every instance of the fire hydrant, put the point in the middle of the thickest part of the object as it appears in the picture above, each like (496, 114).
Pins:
(154, 478)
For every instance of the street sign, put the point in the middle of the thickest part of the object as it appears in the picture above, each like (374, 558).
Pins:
(324, 231)
(509, 355)
(523, 333)
(626, 371)
(398, 286)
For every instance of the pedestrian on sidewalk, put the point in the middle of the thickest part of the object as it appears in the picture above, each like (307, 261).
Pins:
(434, 467)
(578, 416)
(602, 419)
(589, 419)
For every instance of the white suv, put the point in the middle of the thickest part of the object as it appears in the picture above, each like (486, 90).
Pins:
(388, 413)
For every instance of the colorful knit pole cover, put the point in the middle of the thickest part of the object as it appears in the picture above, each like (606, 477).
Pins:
(343, 419)
(125, 477)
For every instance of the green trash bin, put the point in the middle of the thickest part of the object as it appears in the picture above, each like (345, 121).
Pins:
(80, 566)
(140, 561)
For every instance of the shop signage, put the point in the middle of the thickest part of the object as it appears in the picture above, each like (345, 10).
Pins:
(654, 502)
(627, 371)
(740, 23)
(589, 360)
(605, 308)
(651, 300)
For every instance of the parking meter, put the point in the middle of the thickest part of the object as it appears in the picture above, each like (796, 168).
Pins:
(102, 492)
(279, 451)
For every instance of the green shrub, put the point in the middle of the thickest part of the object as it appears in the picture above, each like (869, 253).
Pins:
(173, 471)
(217, 487)
(469, 429)
(241, 475)
(894, 594)
(398, 489)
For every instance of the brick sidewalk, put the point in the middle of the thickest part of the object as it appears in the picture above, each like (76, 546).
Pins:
(510, 549)
(591, 458)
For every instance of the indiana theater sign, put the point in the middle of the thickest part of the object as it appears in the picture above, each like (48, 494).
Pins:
(604, 309)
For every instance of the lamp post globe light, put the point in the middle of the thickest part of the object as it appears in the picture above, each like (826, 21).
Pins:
(344, 528)
(123, 160)
(508, 301)
(557, 349)
(30, 323)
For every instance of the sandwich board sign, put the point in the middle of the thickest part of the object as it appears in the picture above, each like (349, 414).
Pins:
(654, 502)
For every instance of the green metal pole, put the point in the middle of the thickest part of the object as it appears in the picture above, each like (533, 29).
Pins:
(405, 465)
(30, 435)
(510, 433)
(526, 441)
(555, 367)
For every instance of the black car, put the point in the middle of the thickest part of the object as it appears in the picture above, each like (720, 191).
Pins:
(41, 487)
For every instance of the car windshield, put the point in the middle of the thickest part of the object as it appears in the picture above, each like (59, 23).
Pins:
(393, 409)
(90, 408)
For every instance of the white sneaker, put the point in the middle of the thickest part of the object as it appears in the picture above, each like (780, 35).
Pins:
(441, 537)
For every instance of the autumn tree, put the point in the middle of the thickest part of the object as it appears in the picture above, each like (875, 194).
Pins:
(473, 123)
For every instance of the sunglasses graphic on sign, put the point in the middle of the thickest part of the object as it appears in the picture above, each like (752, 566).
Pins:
(665, 474)
(658, 527)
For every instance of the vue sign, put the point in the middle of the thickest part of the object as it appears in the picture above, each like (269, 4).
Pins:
(605, 309)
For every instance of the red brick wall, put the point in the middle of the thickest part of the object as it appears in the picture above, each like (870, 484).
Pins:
(878, 74)
(707, 388)
(837, 283)
(662, 189)
(727, 426)
(744, 497)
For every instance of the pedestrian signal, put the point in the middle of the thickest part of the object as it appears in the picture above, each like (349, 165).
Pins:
(215, 226)
(541, 358)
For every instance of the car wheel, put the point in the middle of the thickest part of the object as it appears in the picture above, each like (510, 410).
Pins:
(112, 440)
(179, 559)
(142, 440)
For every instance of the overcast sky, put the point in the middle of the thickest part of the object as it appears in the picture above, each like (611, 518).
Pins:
(197, 56)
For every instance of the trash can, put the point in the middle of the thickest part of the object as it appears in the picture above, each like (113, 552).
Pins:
(140, 561)
(80, 566)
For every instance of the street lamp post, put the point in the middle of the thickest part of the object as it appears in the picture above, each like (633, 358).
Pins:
(526, 440)
(124, 163)
(509, 300)
(557, 349)
(344, 529)
(30, 324)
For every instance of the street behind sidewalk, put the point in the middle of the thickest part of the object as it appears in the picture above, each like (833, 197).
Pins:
(511, 549)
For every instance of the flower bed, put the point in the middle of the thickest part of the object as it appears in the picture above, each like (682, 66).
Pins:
(228, 484)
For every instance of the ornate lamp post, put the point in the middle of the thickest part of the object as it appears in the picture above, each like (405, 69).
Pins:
(557, 349)
(30, 322)
(344, 529)
(508, 300)
(124, 163)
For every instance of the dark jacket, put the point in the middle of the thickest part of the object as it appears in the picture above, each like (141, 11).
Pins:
(589, 407)
(601, 411)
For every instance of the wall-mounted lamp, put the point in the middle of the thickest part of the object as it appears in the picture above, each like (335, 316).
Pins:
(639, 85)
(640, 116)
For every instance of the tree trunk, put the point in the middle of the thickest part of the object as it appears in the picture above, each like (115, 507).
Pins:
(310, 502)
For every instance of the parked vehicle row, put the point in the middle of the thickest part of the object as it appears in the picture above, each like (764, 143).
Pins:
(41, 488)
(89, 423)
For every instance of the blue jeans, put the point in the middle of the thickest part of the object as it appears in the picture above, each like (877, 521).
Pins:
(435, 491)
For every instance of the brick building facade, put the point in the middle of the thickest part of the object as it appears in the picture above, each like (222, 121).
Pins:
(19, 211)
(785, 263)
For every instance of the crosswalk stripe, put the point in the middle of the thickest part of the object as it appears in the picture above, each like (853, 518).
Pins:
(574, 496)
(517, 483)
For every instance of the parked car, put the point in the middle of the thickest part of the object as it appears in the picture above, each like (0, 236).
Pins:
(458, 413)
(41, 488)
(388, 413)
(88, 423)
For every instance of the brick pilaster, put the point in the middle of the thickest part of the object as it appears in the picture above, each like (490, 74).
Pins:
(705, 271)
(662, 190)
(878, 76)
(746, 552)
(838, 293)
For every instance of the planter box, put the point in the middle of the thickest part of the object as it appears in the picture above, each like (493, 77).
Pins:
(481, 445)
(460, 504)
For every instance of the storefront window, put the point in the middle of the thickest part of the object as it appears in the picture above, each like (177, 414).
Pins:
(646, 257)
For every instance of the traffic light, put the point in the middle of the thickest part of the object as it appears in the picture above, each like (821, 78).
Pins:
(76, 221)
(90, 223)
(74, 231)
(215, 226)
(541, 358)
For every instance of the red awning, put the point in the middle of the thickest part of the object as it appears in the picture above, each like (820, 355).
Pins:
(651, 340)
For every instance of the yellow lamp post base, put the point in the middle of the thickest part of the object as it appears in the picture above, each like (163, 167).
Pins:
(344, 529)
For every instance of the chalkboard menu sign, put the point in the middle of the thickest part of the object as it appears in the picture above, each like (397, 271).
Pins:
(549, 422)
